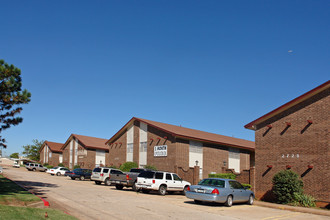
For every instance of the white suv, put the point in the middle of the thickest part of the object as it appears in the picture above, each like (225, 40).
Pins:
(162, 182)
(102, 174)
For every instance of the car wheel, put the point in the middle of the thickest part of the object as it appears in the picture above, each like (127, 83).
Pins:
(34, 169)
(198, 201)
(97, 182)
(162, 190)
(134, 187)
(251, 200)
(185, 189)
(119, 187)
(107, 182)
(52, 174)
(58, 174)
(82, 178)
(229, 201)
(73, 178)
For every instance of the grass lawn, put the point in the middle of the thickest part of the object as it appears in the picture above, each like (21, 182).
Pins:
(22, 213)
(13, 198)
(13, 194)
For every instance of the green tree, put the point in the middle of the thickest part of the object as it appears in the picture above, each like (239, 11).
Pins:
(32, 150)
(14, 155)
(11, 97)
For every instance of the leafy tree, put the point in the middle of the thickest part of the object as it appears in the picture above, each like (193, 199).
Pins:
(11, 97)
(14, 155)
(32, 150)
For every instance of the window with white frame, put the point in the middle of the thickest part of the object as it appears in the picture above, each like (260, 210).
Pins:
(143, 146)
(130, 148)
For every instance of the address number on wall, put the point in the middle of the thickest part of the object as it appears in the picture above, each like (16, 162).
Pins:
(290, 156)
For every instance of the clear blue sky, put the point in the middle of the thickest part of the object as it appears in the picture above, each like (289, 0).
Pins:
(208, 65)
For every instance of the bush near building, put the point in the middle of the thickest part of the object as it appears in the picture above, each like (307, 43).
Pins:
(288, 189)
(150, 167)
(126, 167)
(223, 175)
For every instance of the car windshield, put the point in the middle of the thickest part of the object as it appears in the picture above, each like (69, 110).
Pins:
(212, 182)
(76, 170)
(54, 168)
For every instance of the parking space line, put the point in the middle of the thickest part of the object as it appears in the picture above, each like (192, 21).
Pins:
(290, 215)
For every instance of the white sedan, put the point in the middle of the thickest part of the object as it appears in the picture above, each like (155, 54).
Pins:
(58, 171)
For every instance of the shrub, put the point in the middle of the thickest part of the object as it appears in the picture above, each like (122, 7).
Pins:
(285, 184)
(125, 167)
(223, 175)
(247, 185)
(61, 165)
(150, 167)
(76, 167)
(303, 200)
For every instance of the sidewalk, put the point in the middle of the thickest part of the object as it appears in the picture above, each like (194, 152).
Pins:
(293, 208)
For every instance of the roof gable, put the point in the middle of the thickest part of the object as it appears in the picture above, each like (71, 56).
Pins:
(53, 146)
(289, 104)
(193, 134)
(89, 142)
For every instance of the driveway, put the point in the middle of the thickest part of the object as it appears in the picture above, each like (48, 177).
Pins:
(86, 200)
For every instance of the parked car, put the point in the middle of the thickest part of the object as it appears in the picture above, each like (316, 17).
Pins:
(161, 181)
(127, 179)
(79, 173)
(219, 190)
(16, 165)
(35, 167)
(102, 174)
(58, 171)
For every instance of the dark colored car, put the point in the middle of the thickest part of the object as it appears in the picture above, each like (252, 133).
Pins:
(79, 173)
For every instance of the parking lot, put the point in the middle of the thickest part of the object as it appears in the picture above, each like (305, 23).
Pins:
(86, 200)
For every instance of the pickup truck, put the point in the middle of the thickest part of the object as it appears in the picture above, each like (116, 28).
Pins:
(127, 179)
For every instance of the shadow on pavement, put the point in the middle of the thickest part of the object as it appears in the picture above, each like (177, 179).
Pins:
(35, 186)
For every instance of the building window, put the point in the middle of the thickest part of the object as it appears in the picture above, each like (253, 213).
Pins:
(143, 146)
(130, 148)
(50, 154)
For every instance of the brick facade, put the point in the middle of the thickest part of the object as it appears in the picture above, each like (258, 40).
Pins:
(86, 156)
(50, 153)
(177, 159)
(296, 137)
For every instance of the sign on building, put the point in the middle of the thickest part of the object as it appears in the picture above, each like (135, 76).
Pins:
(160, 151)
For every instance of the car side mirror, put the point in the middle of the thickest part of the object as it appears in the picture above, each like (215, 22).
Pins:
(246, 187)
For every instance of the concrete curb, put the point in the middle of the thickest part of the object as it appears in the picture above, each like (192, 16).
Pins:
(46, 203)
(292, 208)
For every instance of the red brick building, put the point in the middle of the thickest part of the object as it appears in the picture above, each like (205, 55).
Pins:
(295, 136)
(178, 149)
(51, 153)
(87, 152)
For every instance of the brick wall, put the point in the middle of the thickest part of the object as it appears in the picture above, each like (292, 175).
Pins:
(155, 138)
(298, 145)
(213, 158)
(117, 150)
